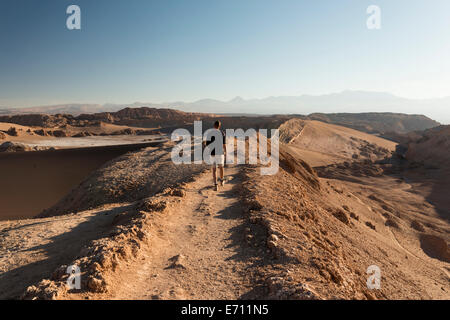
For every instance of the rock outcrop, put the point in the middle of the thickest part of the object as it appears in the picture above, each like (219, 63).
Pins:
(13, 147)
(9, 146)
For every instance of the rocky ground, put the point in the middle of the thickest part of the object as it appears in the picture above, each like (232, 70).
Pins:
(31, 250)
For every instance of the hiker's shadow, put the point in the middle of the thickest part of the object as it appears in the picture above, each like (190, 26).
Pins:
(244, 251)
(253, 253)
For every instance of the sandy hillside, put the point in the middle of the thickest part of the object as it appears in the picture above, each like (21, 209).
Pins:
(378, 122)
(432, 149)
(320, 228)
(322, 143)
(428, 166)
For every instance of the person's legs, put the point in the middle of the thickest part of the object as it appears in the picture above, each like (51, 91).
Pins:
(221, 174)
(217, 163)
(214, 174)
(221, 165)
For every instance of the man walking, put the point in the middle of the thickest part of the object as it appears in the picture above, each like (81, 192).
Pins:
(218, 150)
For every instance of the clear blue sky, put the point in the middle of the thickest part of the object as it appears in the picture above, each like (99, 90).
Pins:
(168, 50)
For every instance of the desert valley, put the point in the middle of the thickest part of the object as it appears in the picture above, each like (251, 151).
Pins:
(100, 191)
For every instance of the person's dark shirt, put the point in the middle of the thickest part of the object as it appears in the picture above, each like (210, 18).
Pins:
(213, 139)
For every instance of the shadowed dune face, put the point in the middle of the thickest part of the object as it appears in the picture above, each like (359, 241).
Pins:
(432, 149)
(435, 247)
(428, 166)
(34, 181)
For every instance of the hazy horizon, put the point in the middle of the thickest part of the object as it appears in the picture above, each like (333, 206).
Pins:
(348, 101)
(163, 52)
(229, 99)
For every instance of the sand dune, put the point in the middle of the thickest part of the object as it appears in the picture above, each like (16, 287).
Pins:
(321, 143)
(34, 181)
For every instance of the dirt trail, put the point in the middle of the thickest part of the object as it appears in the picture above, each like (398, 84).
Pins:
(205, 234)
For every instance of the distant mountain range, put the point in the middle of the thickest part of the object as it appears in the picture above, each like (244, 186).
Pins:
(74, 109)
(346, 101)
(386, 124)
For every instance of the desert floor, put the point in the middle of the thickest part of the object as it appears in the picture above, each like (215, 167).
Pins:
(141, 227)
